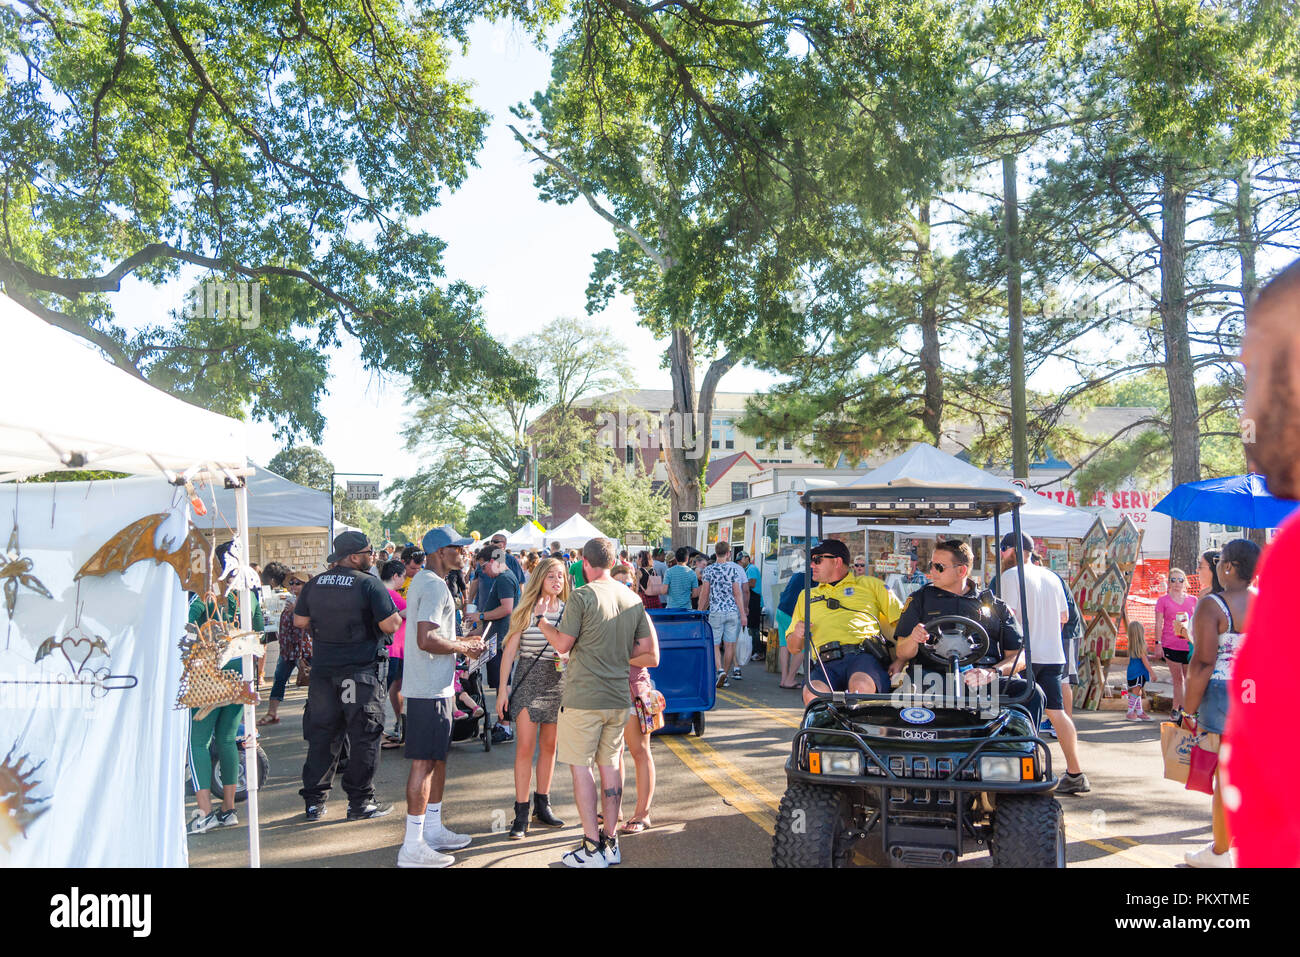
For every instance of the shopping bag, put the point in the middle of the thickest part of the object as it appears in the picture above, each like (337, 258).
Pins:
(1200, 768)
(1176, 745)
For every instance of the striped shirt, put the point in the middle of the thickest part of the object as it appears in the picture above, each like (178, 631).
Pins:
(532, 642)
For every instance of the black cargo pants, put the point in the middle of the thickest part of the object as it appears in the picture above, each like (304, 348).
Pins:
(349, 707)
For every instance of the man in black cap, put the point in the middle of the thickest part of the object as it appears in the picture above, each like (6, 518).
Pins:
(849, 613)
(351, 616)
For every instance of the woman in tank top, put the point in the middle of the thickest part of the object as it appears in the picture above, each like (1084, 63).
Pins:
(531, 693)
(1217, 626)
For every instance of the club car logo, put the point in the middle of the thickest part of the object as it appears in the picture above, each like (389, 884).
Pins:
(917, 715)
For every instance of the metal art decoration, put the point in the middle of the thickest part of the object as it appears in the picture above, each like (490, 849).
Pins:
(18, 808)
(204, 685)
(77, 647)
(99, 681)
(135, 543)
(17, 571)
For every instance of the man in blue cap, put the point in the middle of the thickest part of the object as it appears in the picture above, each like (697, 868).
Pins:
(429, 686)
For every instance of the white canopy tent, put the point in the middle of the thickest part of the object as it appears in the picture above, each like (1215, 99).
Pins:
(925, 465)
(574, 532)
(526, 536)
(68, 408)
(71, 409)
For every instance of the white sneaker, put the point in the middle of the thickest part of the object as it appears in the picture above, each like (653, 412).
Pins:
(201, 823)
(609, 847)
(1206, 857)
(422, 855)
(444, 840)
(586, 854)
(736, 675)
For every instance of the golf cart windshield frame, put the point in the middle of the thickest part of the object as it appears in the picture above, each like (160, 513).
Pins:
(913, 505)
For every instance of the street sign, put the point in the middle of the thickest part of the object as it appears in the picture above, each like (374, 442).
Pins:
(363, 491)
(525, 502)
(687, 518)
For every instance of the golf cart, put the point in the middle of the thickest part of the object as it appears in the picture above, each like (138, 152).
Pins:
(922, 775)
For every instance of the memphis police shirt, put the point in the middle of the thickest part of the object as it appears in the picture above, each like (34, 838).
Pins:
(335, 600)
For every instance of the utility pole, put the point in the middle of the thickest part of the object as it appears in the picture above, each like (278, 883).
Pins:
(1016, 330)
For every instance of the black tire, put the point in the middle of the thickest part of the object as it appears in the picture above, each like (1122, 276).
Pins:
(487, 739)
(1028, 831)
(241, 789)
(811, 826)
(697, 724)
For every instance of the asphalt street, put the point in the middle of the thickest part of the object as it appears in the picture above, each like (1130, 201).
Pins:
(715, 802)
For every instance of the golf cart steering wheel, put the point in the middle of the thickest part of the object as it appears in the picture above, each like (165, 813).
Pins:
(955, 639)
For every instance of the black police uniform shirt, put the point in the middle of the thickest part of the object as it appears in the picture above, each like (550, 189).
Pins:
(345, 607)
(931, 602)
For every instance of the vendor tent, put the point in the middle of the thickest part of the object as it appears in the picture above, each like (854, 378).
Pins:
(65, 407)
(574, 532)
(925, 465)
(273, 502)
(526, 536)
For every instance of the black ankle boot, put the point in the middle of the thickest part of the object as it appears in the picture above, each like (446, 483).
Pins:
(520, 827)
(542, 811)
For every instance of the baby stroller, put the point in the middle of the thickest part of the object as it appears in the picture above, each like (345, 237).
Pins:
(472, 683)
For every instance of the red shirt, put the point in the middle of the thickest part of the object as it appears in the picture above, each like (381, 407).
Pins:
(1261, 773)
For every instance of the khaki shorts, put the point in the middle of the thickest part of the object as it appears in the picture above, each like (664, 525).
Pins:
(587, 736)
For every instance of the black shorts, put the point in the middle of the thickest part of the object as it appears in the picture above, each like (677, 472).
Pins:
(428, 728)
(394, 671)
(1173, 654)
(1048, 677)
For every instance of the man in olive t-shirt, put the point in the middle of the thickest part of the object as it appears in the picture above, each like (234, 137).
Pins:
(606, 631)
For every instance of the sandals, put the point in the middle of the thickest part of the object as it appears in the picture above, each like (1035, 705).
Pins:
(391, 744)
(789, 687)
(267, 719)
(635, 826)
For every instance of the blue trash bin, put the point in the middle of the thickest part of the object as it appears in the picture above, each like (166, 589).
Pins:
(686, 675)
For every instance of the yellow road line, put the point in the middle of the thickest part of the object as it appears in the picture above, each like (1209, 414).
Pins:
(718, 781)
(1151, 848)
(709, 753)
(780, 717)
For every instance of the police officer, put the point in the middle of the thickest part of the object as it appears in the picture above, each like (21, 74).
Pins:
(951, 592)
(351, 616)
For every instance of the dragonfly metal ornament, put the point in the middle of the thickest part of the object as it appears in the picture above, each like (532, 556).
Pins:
(17, 572)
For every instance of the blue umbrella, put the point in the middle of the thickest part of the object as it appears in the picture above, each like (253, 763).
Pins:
(1242, 500)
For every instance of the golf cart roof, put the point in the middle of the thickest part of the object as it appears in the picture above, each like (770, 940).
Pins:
(906, 502)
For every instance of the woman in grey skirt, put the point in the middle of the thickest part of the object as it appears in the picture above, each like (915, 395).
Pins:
(531, 695)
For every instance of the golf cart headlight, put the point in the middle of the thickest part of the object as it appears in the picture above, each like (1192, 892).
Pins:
(1000, 769)
(837, 762)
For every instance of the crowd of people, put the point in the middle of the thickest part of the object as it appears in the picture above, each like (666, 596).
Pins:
(568, 645)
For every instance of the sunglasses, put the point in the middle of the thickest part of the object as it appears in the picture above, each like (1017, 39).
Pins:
(818, 559)
(1177, 581)
(859, 564)
(939, 567)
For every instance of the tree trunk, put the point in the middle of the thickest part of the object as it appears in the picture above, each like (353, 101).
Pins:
(932, 413)
(1184, 424)
(1246, 241)
(1016, 328)
(683, 471)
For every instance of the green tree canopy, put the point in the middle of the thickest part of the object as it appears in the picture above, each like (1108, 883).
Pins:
(289, 145)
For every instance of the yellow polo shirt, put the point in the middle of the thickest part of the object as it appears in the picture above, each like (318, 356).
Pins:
(864, 601)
